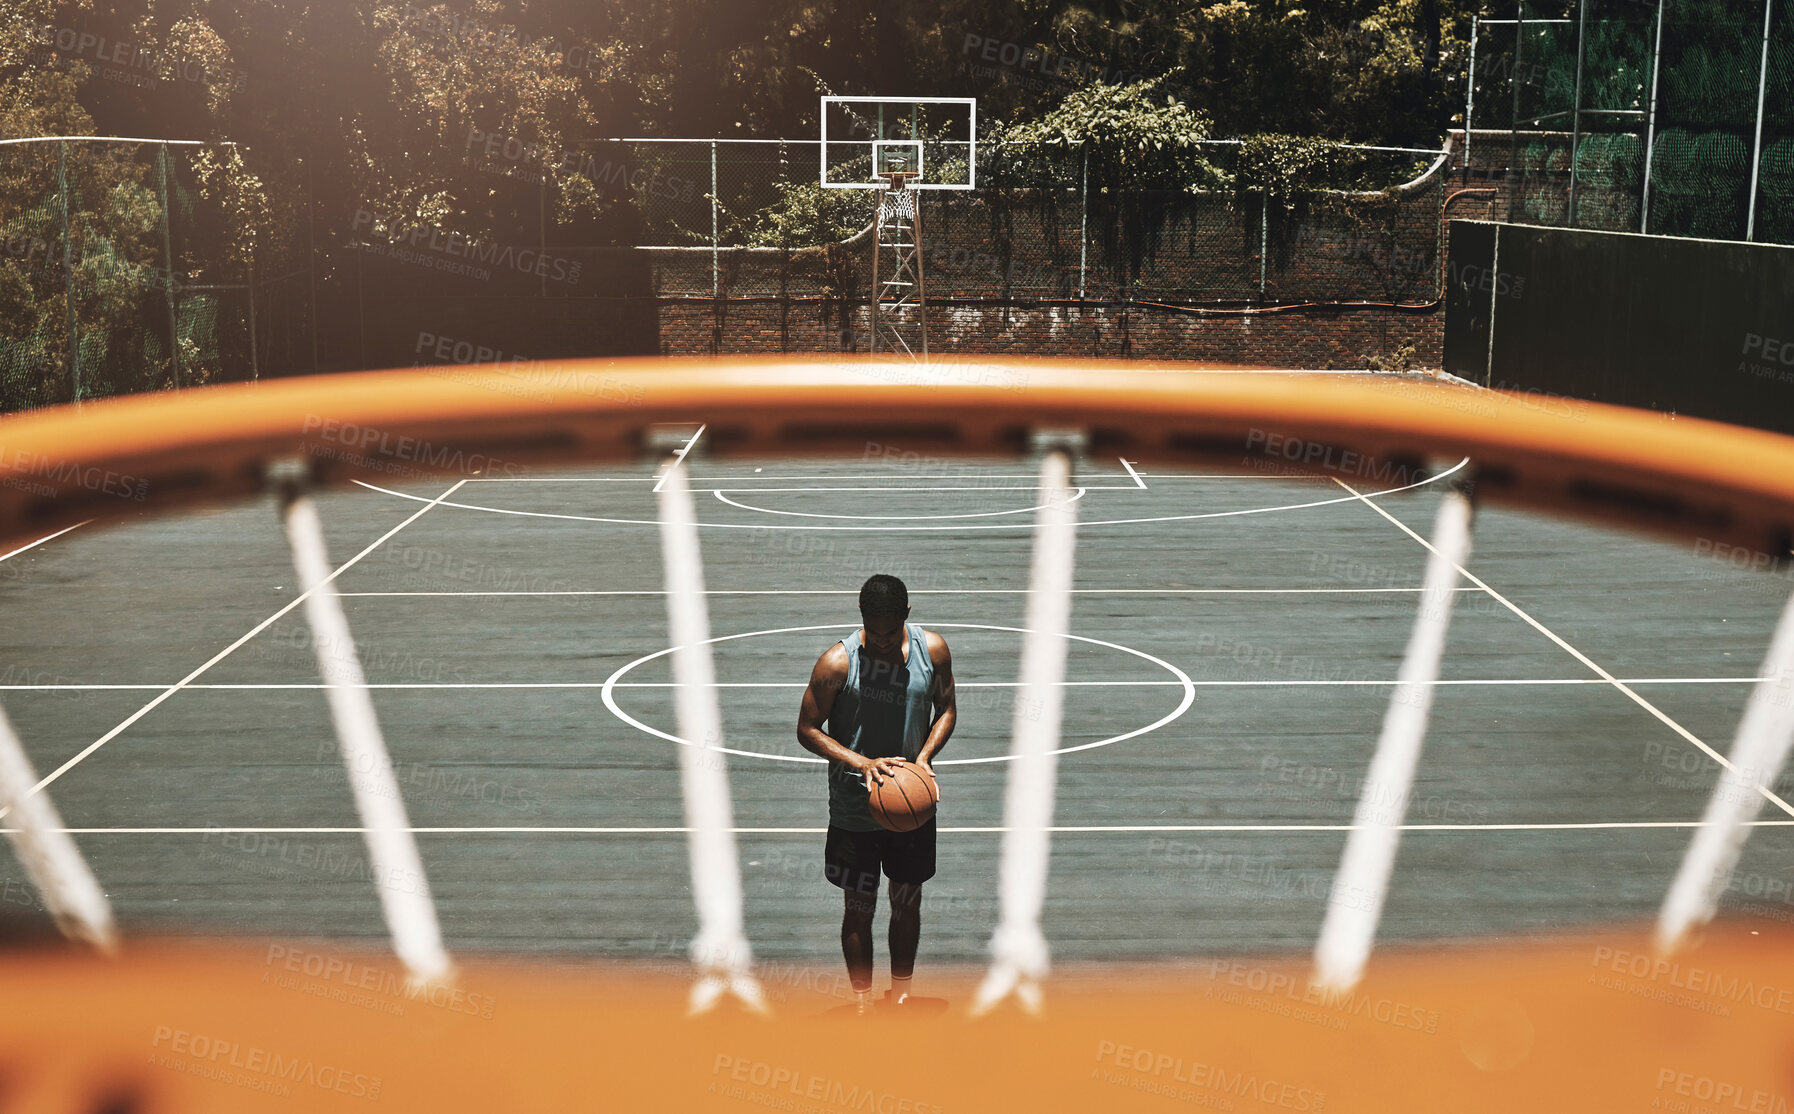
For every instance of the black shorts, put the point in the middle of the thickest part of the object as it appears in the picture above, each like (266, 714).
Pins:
(852, 860)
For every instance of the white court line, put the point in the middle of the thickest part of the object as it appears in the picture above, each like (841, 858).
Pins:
(1472, 682)
(40, 541)
(1077, 493)
(942, 490)
(879, 476)
(678, 455)
(187, 681)
(1131, 472)
(1072, 829)
(916, 592)
(1572, 651)
(1083, 524)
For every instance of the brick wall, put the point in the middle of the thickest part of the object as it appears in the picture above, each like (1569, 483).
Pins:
(1311, 338)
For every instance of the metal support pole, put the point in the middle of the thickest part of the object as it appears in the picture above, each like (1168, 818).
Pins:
(915, 238)
(716, 283)
(1513, 131)
(1644, 215)
(174, 331)
(542, 229)
(361, 303)
(1470, 95)
(1494, 288)
(255, 367)
(1576, 106)
(1264, 241)
(311, 259)
(1756, 151)
(1083, 222)
(68, 271)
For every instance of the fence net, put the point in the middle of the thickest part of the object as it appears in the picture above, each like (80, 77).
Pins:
(129, 266)
(1586, 138)
(124, 267)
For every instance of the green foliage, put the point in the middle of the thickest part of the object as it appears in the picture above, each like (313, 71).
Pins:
(807, 215)
(1136, 137)
(1283, 168)
(1402, 360)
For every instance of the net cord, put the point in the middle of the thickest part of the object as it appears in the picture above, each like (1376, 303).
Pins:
(720, 950)
(1355, 903)
(1759, 752)
(1019, 953)
(52, 861)
(398, 869)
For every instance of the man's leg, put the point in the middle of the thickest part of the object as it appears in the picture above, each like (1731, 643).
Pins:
(856, 938)
(909, 864)
(906, 933)
(851, 861)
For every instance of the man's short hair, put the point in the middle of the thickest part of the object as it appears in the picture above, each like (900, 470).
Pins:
(884, 596)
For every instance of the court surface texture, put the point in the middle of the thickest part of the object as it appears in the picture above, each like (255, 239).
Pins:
(1235, 640)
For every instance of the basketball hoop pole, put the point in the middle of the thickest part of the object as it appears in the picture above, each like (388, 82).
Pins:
(904, 290)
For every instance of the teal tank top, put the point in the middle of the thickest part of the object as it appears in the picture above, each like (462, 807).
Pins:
(883, 710)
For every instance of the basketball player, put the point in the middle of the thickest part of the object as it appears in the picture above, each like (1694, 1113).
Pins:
(886, 694)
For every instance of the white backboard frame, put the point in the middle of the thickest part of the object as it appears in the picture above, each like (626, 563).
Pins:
(971, 105)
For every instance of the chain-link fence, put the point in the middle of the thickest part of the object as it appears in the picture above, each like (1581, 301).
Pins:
(128, 266)
(1036, 227)
(1674, 117)
(140, 265)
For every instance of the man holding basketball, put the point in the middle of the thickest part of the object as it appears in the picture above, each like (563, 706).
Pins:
(886, 694)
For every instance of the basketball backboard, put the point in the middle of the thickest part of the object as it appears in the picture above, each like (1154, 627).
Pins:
(933, 138)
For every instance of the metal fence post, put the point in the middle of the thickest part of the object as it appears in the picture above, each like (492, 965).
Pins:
(1576, 106)
(1083, 222)
(1470, 93)
(716, 285)
(255, 370)
(68, 271)
(1264, 240)
(1756, 152)
(174, 329)
(1644, 208)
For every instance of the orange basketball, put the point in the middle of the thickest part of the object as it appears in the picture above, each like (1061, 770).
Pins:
(905, 800)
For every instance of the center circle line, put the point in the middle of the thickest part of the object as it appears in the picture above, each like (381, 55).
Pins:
(1082, 525)
(718, 492)
(610, 684)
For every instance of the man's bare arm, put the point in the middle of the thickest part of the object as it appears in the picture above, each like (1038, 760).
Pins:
(946, 704)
